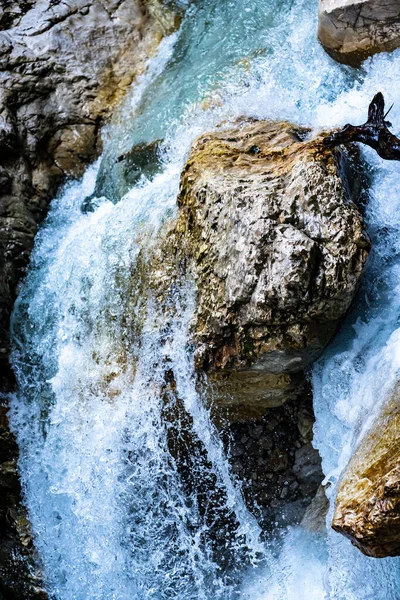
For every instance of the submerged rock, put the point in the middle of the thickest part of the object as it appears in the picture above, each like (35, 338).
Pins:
(350, 30)
(117, 177)
(276, 247)
(368, 501)
(315, 516)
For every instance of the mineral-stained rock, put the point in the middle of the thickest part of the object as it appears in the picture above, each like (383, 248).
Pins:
(368, 501)
(276, 248)
(352, 30)
(64, 66)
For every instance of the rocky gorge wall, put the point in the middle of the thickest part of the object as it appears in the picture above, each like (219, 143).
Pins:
(64, 67)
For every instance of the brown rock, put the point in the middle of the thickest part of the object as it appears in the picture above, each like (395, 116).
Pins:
(276, 249)
(352, 30)
(368, 501)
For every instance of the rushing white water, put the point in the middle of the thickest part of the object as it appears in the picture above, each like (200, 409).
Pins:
(351, 382)
(112, 515)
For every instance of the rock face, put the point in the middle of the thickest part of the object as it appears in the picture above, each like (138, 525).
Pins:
(20, 573)
(276, 248)
(352, 30)
(368, 501)
(279, 470)
(64, 66)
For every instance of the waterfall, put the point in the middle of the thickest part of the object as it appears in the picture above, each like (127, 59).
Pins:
(112, 515)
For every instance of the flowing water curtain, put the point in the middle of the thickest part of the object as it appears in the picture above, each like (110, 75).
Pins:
(121, 509)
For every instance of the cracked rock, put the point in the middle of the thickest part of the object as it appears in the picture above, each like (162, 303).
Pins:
(350, 30)
(276, 246)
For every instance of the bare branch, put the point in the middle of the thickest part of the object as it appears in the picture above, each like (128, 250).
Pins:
(373, 133)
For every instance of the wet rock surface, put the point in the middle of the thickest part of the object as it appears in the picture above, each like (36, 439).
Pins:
(276, 247)
(273, 457)
(142, 160)
(350, 30)
(368, 501)
(269, 233)
(64, 66)
(314, 518)
(20, 574)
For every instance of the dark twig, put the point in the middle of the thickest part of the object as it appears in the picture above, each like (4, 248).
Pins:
(387, 112)
(374, 132)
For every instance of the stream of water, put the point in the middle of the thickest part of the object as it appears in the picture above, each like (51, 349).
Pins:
(111, 516)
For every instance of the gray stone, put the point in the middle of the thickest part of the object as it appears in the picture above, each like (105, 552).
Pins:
(307, 468)
(352, 30)
(315, 516)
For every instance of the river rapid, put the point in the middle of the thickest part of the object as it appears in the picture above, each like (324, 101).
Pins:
(111, 518)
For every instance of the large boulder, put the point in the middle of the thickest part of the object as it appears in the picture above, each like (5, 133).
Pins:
(368, 501)
(276, 247)
(352, 30)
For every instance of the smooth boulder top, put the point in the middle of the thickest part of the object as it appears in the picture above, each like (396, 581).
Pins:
(352, 31)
